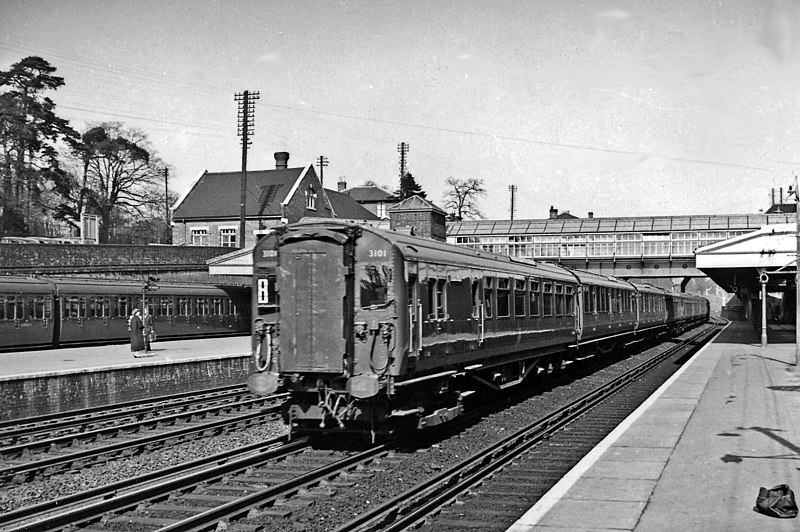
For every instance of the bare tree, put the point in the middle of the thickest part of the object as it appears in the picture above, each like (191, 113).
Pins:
(119, 173)
(461, 197)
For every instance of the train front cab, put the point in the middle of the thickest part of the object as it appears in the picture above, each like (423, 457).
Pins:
(339, 333)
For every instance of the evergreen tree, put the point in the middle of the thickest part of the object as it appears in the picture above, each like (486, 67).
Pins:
(409, 187)
(29, 132)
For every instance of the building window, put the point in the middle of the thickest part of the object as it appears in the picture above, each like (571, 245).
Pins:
(199, 237)
(311, 198)
(227, 237)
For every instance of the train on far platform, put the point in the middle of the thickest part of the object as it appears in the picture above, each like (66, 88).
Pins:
(42, 312)
(375, 332)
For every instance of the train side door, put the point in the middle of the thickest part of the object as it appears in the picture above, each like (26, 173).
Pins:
(414, 316)
(578, 312)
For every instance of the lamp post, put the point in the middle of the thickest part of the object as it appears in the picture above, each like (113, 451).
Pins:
(794, 191)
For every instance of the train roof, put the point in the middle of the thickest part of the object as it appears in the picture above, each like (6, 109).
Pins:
(97, 286)
(466, 260)
(436, 258)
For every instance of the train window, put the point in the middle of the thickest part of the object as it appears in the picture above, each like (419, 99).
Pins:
(375, 282)
(183, 306)
(123, 306)
(488, 296)
(217, 306)
(559, 300)
(569, 298)
(534, 298)
(201, 306)
(476, 298)
(547, 299)
(234, 308)
(503, 298)
(436, 299)
(166, 307)
(95, 307)
(11, 308)
(36, 308)
(519, 298)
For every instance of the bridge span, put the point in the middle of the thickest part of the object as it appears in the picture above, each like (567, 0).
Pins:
(627, 247)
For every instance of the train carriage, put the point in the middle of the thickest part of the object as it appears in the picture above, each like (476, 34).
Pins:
(379, 330)
(26, 312)
(49, 312)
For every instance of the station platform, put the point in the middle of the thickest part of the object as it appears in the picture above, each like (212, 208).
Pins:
(695, 454)
(55, 380)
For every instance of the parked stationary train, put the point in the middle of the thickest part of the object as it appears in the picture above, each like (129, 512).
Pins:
(378, 330)
(38, 312)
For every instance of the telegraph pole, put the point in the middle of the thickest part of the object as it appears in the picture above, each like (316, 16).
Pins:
(402, 149)
(246, 123)
(322, 162)
(513, 190)
(168, 233)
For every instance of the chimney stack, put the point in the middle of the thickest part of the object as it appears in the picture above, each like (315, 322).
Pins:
(591, 215)
(553, 213)
(281, 160)
(342, 185)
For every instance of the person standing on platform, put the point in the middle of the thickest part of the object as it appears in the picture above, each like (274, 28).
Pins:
(135, 327)
(147, 323)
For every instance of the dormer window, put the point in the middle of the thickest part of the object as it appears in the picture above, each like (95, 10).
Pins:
(311, 198)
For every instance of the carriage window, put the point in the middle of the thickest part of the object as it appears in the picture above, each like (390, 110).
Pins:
(476, 298)
(123, 306)
(375, 281)
(519, 298)
(8, 308)
(201, 304)
(547, 299)
(166, 307)
(488, 296)
(569, 300)
(218, 309)
(503, 298)
(234, 308)
(535, 297)
(437, 305)
(36, 308)
(559, 300)
(183, 306)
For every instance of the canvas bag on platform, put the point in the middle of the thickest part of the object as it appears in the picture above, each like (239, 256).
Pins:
(777, 502)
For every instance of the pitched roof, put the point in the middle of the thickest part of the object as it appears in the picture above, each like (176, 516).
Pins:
(344, 206)
(416, 203)
(218, 194)
(369, 194)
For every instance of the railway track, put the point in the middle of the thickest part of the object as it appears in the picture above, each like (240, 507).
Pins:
(477, 487)
(47, 445)
(279, 487)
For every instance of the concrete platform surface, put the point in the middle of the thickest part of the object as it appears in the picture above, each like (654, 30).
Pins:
(49, 362)
(693, 457)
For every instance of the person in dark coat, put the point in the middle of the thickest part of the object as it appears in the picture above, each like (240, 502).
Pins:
(147, 323)
(135, 327)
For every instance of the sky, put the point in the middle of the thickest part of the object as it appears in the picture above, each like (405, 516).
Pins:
(621, 108)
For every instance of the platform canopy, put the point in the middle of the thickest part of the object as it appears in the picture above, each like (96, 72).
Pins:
(736, 264)
(239, 262)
